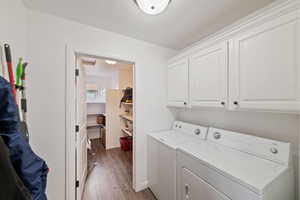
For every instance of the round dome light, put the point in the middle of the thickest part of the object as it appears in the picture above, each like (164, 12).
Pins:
(153, 7)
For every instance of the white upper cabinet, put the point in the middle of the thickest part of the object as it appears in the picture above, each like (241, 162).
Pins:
(264, 71)
(208, 77)
(253, 65)
(178, 83)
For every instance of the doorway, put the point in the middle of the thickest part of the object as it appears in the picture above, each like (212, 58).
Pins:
(105, 120)
(72, 184)
(74, 188)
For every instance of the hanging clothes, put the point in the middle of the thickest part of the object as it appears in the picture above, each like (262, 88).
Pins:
(127, 96)
(31, 169)
(12, 187)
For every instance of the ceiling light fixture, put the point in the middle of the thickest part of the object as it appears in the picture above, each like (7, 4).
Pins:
(153, 7)
(111, 62)
(88, 61)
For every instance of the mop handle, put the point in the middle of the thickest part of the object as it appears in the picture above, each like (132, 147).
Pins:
(10, 69)
(23, 89)
(19, 73)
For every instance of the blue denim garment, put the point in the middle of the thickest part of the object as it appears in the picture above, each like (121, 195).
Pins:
(31, 169)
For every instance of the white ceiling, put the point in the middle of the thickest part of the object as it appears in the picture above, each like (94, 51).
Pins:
(185, 21)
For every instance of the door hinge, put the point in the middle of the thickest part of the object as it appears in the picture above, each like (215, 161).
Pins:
(77, 128)
(76, 72)
(77, 184)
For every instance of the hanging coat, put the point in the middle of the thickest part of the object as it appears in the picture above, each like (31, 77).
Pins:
(12, 187)
(31, 169)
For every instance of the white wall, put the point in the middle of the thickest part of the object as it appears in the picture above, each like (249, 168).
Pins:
(48, 36)
(13, 23)
(282, 127)
(95, 108)
(125, 78)
(103, 82)
(106, 74)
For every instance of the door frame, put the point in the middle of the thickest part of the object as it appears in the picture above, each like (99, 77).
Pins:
(70, 112)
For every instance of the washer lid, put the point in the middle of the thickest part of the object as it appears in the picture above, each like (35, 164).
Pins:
(171, 138)
(252, 172)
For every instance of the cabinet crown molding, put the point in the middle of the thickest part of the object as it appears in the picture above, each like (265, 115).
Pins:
(261, 16)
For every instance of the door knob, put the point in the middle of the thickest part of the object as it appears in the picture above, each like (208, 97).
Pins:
(197, 132)
(187, 192)
(223, 103)
(217, 135)
(274, 150)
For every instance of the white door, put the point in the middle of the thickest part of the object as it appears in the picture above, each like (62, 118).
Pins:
(178, 83)
(81, 134)
(208, 77)
(264, 73)
(194, 188)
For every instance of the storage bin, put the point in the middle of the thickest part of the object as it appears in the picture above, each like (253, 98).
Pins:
(126, 143)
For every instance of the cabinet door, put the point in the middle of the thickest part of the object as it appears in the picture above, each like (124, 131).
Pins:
(208, 77)
(178, 83)
(194, 188)
(264, 73)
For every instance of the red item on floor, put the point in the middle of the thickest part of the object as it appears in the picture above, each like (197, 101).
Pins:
(130, 143)
(126, 143)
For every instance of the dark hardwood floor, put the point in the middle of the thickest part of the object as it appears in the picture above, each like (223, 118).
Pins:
(110, 176)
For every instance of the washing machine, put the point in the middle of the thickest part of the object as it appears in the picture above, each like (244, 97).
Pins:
(234, 166)
(162, 147)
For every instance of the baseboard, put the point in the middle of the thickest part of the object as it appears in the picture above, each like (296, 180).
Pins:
(141, 186)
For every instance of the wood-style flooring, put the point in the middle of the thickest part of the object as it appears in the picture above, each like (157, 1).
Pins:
(110, 176)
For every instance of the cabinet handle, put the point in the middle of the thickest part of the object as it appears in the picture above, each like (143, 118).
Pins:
(187, 192)
(185, 103)
(223, 103)
(236, 103)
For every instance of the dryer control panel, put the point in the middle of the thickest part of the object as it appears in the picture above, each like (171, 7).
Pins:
(264, 148)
